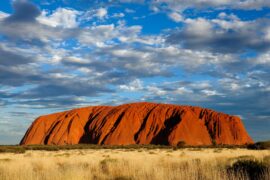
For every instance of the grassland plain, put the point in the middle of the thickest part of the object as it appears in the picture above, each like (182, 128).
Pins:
(134, 163)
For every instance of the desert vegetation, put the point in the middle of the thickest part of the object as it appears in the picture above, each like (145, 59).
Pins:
(132, 162)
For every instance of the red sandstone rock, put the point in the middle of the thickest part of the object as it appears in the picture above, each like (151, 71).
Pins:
(137, 123)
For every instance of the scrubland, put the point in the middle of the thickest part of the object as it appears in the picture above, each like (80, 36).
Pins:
(136, 163)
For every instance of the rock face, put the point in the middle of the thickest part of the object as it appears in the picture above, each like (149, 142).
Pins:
(137, 123)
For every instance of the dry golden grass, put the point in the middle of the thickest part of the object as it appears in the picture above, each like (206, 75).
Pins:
(123, 164)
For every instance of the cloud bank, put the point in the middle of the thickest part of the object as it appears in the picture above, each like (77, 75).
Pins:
(71, 55)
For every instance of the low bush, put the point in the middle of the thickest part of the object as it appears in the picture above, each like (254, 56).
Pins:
(252, 169)
(260, 145)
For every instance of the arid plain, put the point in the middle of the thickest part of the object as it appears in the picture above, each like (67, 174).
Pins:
(136, 163)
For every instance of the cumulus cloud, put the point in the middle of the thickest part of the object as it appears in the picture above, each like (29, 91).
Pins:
(9, 58)
(263, 59)
(16, 68)
(135, 85)
(28, 30)
(24, 11)
(61, 17)
(176, 17)
(181, 5)
(101, 13)
(105, 35)
(222, 35)
(98, 35)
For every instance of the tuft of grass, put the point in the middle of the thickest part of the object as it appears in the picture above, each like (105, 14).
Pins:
(105, 164)
(246, 157)
(5, 160)
(108, 160)
(266, 160)
(37, 167)
(123, 178)
(152, 152)
(218, 150)
(196, 149)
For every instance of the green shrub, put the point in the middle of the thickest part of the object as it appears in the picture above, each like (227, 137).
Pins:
(181, 144)
(260, 145)
(253, 169)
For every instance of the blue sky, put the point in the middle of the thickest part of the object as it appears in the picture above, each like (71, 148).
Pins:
(62, 54)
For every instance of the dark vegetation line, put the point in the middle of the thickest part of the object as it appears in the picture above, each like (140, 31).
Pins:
(22, 149)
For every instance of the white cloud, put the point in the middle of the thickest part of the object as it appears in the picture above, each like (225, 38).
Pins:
(35, 33)
(135, 85)
(154, 90)
(208, 92)
(118, 15)
(98, 35)
(267, 34)
(55, 59)
(231, 84)
(101, 13)
(225, 34)
(105, 35)
(128, 53)
(199, 27)
(183, 91)
(180, 5)
(3, 15)
(263, 58)
(155, 8)
(176, 17)
(78, 60)
(127, 10)
(66, 18)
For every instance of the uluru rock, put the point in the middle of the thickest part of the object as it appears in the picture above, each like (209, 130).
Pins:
(137, 123)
